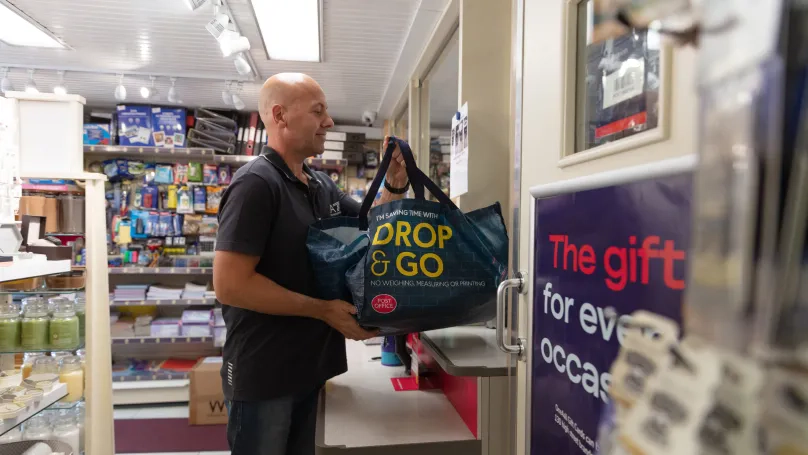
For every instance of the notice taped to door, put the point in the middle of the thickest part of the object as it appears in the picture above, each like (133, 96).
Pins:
(620, 248)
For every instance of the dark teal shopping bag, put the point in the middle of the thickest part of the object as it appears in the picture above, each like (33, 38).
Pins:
(412, 265)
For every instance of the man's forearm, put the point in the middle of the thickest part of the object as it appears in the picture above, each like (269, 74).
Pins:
(258, 293)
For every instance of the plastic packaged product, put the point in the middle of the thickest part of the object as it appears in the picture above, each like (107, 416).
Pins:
(214, 195)
(225, 174)
(195, 172)
(191, 223)
(185, 202)
(28, 362)
(34, 327)
(72, 374)
(80, 305)
(210, 174)
(149, 197)
(164, 174)
(36, 428)
(199, 199)
(65, 430)
(180, 174)
(9, 327)
(64, 326)
(171, 197)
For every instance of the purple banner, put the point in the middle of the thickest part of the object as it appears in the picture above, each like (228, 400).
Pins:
(621, 247)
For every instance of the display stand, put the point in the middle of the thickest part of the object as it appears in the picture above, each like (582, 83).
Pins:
(99, 436)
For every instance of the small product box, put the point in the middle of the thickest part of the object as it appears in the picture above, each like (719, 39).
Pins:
(168, 125)
(97, 134)
(135, 125)
(206, 404)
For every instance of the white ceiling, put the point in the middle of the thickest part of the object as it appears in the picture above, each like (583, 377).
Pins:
(362, 42)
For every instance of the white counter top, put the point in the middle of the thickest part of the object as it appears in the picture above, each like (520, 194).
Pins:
(467, 351)
(361, 408)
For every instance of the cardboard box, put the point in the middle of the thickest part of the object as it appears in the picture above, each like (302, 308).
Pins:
(206, 405)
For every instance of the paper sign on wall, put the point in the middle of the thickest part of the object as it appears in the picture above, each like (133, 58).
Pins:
(459, 171)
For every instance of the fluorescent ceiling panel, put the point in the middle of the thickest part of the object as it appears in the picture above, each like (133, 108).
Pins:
(17, 29)
(290, 29)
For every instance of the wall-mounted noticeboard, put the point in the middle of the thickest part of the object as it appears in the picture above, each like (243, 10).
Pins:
(615, 241)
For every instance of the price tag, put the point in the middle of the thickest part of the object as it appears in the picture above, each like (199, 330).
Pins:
(625, 83)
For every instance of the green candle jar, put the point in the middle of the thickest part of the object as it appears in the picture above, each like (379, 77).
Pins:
(9, 327)
(34, 327)
(80, 305)
(64, 325)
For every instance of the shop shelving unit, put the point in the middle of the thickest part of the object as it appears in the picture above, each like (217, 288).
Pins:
(161, 270)
(99, 434)
(158, 387)
(48, 400)
(163, 302)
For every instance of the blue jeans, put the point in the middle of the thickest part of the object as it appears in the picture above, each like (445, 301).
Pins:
(280, 426)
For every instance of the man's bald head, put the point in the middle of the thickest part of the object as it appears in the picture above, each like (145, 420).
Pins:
(294, 111)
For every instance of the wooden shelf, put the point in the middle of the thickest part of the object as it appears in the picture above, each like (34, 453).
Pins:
(162, 302)
(161, 270)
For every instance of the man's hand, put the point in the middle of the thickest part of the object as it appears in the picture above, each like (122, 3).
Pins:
(397, 172)
(339, 315)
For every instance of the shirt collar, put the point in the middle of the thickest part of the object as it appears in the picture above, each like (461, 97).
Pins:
(276, 160)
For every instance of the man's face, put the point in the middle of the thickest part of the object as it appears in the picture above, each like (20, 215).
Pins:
(308, 122)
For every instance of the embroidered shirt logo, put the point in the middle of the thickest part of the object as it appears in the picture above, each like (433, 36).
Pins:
(335, 209)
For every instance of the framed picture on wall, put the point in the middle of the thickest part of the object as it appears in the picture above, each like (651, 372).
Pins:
(616, 94)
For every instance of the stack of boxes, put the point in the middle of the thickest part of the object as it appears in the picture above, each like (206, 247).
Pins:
(344, 146)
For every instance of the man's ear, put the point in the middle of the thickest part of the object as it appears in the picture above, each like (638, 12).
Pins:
(278, 114)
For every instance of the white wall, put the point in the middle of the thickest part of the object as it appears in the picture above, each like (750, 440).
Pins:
(542, 126)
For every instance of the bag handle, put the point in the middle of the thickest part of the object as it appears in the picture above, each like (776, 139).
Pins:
(418, 180)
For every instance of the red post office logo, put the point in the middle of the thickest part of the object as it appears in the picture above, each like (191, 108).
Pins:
(384, 303)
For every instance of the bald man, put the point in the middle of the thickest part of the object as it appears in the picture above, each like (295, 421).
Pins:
(283, 342)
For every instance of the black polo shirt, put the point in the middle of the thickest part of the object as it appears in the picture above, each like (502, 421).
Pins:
(266, 212)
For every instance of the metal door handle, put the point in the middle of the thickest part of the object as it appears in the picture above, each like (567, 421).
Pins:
(518, 283)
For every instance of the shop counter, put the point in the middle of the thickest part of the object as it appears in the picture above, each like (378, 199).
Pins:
(361, 413)
(467, 351)
(473, 374)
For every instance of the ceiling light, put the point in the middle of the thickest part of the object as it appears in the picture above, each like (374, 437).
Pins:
(195, 4)
(172, 92)
(120, 90)
(19, 29)
(60, 88)
(145, 92)
(237, 102)
(5, 82)
(30, 85)
(242, 65)
(280, 19)
(148, 92)
(232, 43)
(218, 25)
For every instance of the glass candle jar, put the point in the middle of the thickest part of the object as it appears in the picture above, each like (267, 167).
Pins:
(45, 365)
(36, 428)
(66, 430)
(9, 327)
(34, 327)
(80, 304)
(29, 300)
(72, 374)
(28, 362)
(64, 325)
